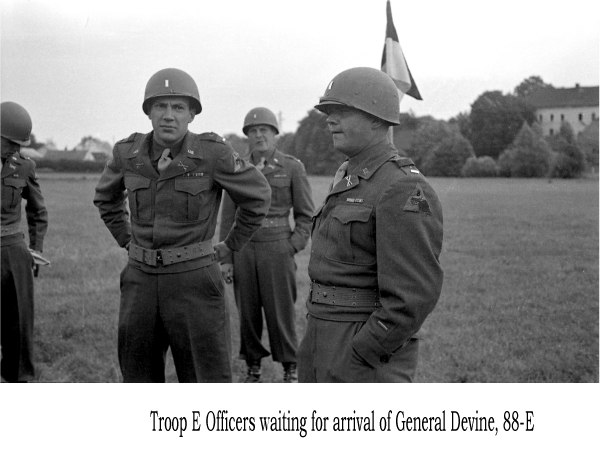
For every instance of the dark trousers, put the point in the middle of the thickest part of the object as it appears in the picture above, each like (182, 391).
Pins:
(17, 313)
(185, 311)
(326, 355)
(265, 279)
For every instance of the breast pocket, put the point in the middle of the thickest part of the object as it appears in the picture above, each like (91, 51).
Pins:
(281, 194)
(12, 191)
(192, 200)
(139, 195)
(351, 235)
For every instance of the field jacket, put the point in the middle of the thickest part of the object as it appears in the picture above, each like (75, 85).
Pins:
(290, 190)
(380, 229)
(19, 182)
(180, 207)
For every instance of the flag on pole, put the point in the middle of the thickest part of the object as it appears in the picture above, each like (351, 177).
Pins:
(393, 62)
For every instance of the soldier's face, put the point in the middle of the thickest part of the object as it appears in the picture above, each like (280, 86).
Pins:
(261, 138)
(351, 129)
(170, 116)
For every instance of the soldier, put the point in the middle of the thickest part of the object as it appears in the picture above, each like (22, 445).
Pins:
(19, 182)
(374, 268)
(172, 293)
(264, 272)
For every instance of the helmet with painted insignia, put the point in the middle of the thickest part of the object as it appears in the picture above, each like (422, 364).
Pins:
(366, 89)
(171, 82)
(260, 115)
(16, 123)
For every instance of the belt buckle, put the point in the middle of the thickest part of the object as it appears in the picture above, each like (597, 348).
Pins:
(151, 257)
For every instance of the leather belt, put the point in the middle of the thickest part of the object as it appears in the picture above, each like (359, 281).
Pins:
(342, 296)
(273, 222)
(165, 257)
(9, 230)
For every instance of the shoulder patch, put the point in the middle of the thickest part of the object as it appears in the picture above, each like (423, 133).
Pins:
(417, 202)
(211, 136)
(289, 156)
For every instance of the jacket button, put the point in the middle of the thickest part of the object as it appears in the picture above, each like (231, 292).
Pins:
(384, 359)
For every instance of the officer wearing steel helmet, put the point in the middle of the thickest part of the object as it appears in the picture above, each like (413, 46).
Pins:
(264, 272)
(374, 266)
(171, 288)
(19, 182)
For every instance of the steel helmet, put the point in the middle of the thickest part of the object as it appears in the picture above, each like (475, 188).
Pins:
(366, 89)
(260, 115)
(171, 82)
(16, 123)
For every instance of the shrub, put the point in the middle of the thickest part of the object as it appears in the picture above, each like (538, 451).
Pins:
(528, 156)
(570, 162)
(480, 167)
(449, 157)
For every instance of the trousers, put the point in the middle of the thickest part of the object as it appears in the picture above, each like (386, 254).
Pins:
(185, 311)
(326, 355)
(17, 313)
(265, 279)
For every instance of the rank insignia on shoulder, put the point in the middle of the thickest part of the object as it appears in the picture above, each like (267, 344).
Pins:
(280, 176)
(136, 151)
(417, 201)
(414, 170)
(355, 200)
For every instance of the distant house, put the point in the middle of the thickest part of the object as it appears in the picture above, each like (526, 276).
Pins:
(53, 154)
(98, 149)
(578, 106)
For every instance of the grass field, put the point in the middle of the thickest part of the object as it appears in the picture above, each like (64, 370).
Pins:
(519, 301)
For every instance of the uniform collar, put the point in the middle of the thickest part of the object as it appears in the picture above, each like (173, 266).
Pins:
(368, 161)
(273, 162)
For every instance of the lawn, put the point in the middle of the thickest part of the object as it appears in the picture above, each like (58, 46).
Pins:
(519, 301)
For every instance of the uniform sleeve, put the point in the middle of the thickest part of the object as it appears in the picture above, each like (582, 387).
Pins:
(35, 210)
(409, 242)
(303, 207)
(110, 200)
(248, 189)
(228, 209)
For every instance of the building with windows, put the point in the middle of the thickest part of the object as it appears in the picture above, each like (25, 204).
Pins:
(578, 106)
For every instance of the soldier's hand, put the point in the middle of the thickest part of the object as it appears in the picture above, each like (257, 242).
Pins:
(222, 251)
(36, 269)
(227, 272)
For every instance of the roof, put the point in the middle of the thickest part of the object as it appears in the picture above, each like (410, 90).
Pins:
(577, 96)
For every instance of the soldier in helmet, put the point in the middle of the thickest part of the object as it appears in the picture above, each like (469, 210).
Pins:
(374, 268)
(171, 288)
(19, 182)
(264, 272)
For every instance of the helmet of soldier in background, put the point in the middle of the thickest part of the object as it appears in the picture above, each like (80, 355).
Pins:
(260, 115)
(16, 123)
(367, 89)
(171, 82)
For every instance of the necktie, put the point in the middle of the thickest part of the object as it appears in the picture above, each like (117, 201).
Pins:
(261, 164)
(164, 160)
(339, 174)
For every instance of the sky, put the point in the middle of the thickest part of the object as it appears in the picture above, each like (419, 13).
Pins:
(80, 67)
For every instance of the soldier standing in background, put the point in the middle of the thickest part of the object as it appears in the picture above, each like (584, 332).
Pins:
(374, 265)
(264, 272)
(19, 182)
(172, 293)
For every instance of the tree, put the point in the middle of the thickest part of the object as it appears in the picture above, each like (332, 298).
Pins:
(240, 144)
(528, 156)
(495, 121)
(570, 161)
(529, 85)
(427, 138)
(449, 157)
(480, 167)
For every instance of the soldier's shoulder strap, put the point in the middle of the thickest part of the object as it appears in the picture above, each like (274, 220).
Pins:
(405, 164)
(212, 137)
(132, 138)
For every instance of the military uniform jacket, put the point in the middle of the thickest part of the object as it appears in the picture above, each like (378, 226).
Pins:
(289, 190)
(180, 207)
(19, 181)
(380, 229)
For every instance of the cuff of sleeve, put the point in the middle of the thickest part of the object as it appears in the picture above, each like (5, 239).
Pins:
(369, 349)
(298, 242)
(236, 243)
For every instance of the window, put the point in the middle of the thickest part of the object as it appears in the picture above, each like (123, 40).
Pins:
(562, 116)
(552, 117)
(581, 117)
(551, 131)
(593, 116)
(541, 118)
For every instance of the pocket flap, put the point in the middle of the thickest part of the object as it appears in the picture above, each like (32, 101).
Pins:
(136, 182)
(191, 185)
(15, 182)
(347, 214)
(280, 182)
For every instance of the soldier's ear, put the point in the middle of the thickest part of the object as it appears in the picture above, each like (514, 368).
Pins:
(193, 115)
